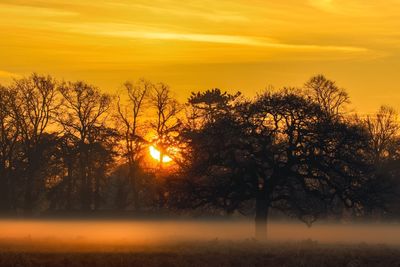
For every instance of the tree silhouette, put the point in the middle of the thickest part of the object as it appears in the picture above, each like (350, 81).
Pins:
(383, 129)
(384, 141)
(276, 152)
(328, 95)
(33, 109)
(129, 116)
(83, 120)
(165, 125)
(292, 151)
(9, 133)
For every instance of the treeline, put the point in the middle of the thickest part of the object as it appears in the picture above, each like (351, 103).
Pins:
(68, 147)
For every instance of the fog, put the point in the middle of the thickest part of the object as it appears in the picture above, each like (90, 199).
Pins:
(153, 231)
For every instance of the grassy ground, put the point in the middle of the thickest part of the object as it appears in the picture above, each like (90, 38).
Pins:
(213, 253)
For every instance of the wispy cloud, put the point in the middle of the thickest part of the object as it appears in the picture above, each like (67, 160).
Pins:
(357, 8)
(167, 27)
(34, 11)
(184, 10)
(192, 37)
(116, 31)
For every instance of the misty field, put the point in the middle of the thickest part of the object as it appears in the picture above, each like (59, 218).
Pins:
(202, 253)
(195, 243)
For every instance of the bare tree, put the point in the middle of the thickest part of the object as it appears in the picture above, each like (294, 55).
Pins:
(69, 153)
(384, 130)
(82, 117)
(129, 116)
(165, 125)
(34, 106)
(327, 94)
(167, 122)
(9, 133)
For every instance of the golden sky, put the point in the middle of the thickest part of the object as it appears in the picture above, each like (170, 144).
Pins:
(198, 44)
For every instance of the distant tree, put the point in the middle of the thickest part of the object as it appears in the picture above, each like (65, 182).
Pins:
(384, 132)
(131, 125)
(208, 133)
(165, 125)
(82, 117)
(62, 193)
(33, 104)
(276, 152)
(327, 94)
(166, 110)
(9, 133)
(211, 104)
(383, 129)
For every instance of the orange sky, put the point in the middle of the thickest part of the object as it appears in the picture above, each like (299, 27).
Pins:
(192, 45)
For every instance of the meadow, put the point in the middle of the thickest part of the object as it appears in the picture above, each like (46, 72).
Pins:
(202, 253)
(190, 243)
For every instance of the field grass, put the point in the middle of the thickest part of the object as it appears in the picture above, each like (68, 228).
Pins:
(26, 253)
(109, 243)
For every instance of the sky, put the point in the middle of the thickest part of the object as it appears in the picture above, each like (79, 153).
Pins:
(193, 45)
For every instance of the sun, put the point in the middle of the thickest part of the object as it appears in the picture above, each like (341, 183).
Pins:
(155, 153)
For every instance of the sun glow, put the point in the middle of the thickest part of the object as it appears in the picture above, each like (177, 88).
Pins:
(155, 153)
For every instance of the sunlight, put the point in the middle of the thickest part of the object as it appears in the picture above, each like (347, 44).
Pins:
(155, 153)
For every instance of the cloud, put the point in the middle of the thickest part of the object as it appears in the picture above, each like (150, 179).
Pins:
(184, 10)
(34, 11)
(192, 37)
(121, 31)
(357, 8)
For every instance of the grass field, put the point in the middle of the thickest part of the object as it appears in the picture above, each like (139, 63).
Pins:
(109, 243)
(202, 253)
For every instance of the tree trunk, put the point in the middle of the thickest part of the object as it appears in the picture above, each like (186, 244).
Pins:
(261, 218)
(97, 197)
(29, 198)
(86, 190)
(161, 200)
(4, 191)
(69, 186)
(97, 187)
(85, 196)
(135, 185)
